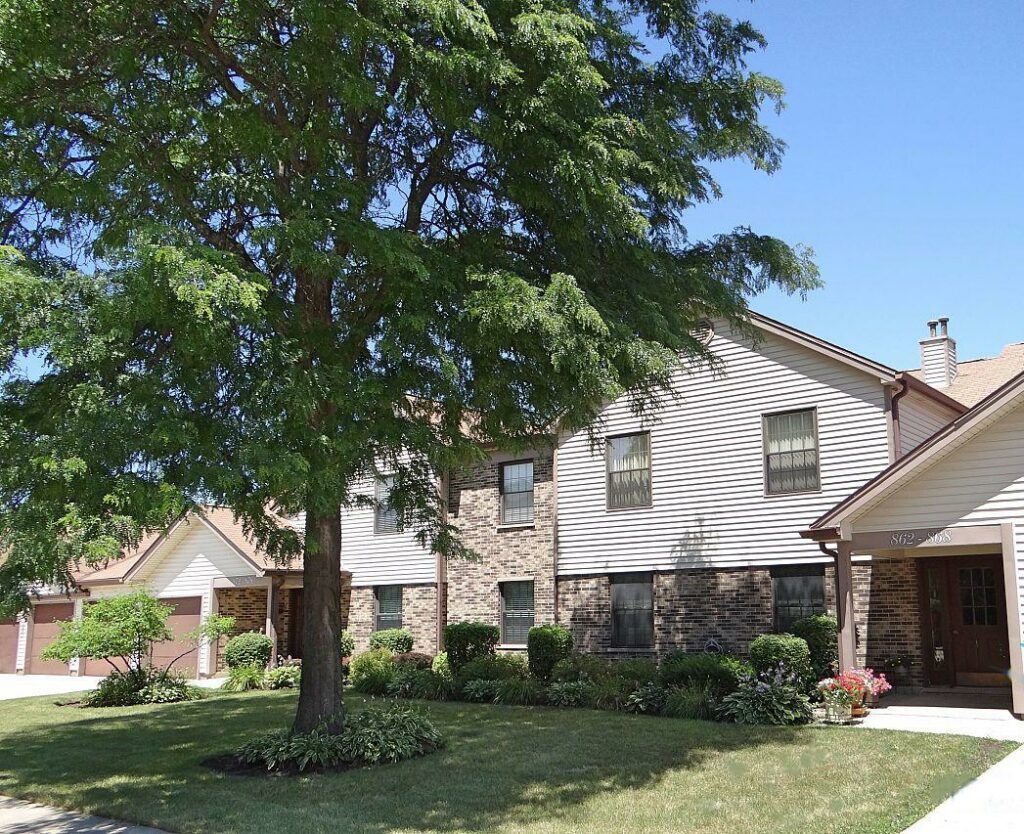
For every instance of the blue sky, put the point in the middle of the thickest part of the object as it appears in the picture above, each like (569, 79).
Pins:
(904, 172)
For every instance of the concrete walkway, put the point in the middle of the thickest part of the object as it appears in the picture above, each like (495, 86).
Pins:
(28, 686)
(17, 817)
(993, 803)
(948, 713)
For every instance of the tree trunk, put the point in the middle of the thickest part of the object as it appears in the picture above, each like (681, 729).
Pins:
(320, 692)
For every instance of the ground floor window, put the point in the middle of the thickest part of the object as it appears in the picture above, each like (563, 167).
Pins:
(517, 612)
(388, 607)
(632, 610)
(797, 592)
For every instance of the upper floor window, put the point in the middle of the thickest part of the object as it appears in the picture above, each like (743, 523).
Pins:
(628, 464)
(632, 610)
(797, 592)
(385, 517)
(517, 613)
(791, 452)
(517, 492)
(388, 604)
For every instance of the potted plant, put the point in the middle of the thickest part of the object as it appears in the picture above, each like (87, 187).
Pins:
(840, 694)
(876, 685)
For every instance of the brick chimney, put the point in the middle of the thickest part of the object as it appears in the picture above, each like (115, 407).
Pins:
(938, 355)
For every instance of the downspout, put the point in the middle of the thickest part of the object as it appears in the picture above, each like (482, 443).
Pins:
(554, 532)
(896, 440)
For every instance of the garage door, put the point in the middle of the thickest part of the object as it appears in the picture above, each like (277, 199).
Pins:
(8, 646)
(44, 629)
(184, 618)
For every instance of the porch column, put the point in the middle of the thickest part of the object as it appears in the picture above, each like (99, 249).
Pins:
(844, 602)
(273, 603)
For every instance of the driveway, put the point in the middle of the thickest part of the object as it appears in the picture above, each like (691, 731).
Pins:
(27, 686)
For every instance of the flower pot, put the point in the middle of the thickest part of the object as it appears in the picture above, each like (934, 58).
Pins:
(838, 713)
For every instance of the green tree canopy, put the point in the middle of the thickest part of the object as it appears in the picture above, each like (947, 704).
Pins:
(273, 245)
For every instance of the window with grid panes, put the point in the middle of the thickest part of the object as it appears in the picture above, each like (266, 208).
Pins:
(791, 452)
(628, 463)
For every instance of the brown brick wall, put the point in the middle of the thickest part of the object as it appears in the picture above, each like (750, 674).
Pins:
(887, 614)
(249, 608)
(419, 615)
(525, 552)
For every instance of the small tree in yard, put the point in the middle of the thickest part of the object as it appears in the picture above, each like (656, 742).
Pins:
(267, 248)
(123, 630)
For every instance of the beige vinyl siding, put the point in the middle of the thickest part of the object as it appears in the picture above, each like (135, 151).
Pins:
(920, 418)
(381, 559)
(709, 506)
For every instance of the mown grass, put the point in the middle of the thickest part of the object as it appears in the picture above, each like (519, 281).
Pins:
(505, 769)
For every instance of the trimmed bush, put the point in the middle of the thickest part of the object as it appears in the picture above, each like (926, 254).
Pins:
(638, 671)
(284, 677)
(582, 667)
(693, 702)
(649, 699)
(169, 690)
(417, 660)
(545, 646)
(610, 693)
(248, 649)
(819, 630)
(770, 652)
(568, 694)
(244, 678)
(467, 641)
(396, 640)
(480, 691)
(348, 644)
(519, 691)
(370, 672)
(141, 686)
(720, 673)
(494, 667)
(441, 666)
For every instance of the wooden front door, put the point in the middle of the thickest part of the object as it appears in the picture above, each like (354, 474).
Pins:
(981, 645)
(295, 623)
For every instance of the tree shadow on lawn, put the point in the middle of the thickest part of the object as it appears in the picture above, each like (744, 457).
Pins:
(503, 767)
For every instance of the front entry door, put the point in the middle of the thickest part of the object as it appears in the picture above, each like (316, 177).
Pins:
(981, 646)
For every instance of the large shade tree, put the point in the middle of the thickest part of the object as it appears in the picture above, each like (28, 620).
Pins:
(262, 247)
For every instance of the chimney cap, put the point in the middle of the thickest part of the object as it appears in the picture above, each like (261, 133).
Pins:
(932, 325)
(944, 325)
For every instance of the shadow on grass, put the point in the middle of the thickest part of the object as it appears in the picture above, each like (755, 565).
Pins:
(503, 767)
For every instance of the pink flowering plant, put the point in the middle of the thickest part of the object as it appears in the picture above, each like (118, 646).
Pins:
(875, 684)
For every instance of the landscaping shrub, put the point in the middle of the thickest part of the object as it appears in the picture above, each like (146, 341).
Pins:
(467, 641)
(370, 672)
(403, 681)
(348, 644)
(773, 651)
(244, 678)
(610, 693)
(494, 667)
(519, 691)
(287, 676)
(768, 698)
(169, 689)
(141, 686)
(581, 667)
(567, 694)
(441, 666)
(370, 736)
(415, 660)
(545, 646)
(649, 699)
(718, 672)
(388, 734)
(396, 640)
(638, 671)
(248, 649)
(819, 630)
(480, 691)
(696, 702)
(431, 686)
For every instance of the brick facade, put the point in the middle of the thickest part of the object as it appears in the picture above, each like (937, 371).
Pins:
(419, 615)
(505, 552)
(249, 608)
(887, 614)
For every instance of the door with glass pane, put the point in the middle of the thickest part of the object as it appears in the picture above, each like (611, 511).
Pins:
(981, 646)
(935, 615)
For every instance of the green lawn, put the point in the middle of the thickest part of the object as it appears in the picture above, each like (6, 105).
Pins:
(506, 769)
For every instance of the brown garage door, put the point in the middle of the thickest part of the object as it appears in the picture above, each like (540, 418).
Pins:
(183, 619)
(45, 618)
(8, 646)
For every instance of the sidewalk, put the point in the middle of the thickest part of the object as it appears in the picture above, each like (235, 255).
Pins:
(17, 817)
(993, 803)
